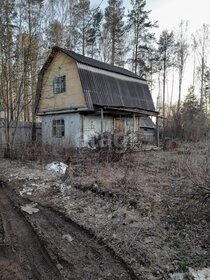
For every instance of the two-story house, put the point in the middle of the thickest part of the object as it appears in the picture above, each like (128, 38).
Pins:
(79, 97)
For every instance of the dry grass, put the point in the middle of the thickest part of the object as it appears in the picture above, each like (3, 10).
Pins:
(142, 206)
(193, 165)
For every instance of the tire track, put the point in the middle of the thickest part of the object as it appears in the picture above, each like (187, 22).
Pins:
(49, 245)
(84, 256)
(22, 255)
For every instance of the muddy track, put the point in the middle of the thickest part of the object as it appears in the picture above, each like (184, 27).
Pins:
(47, 245)
(109, 195)
(22, 255)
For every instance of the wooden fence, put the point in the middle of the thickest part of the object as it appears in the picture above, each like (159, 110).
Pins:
(25, 133)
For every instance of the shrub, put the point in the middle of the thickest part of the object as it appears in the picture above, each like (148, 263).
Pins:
(113, 146)
(194, 165)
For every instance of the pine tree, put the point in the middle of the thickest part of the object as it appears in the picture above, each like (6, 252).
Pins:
(114, 24)
(202, 42)
(193, 120)
(55, 34)
(94, 33)
(7, 16)
(166, 57)
(18, 66)
(181, 49)
(142, 38)
(82, 16)
(71, 35)
(29, 50)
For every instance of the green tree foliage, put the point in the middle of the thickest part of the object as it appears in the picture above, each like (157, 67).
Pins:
(202, 40)
(181, 53)
(7, 17)
(29, 28)
(142, 39)
(114, 24)
(166, 59)
(18, 62)
(193, 119)
(55, 33)
(83, 17)
(94, 33)
(206, 93)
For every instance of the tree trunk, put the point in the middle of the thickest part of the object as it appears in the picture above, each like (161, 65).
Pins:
(136, 50)
(113, 49)
(180, 90)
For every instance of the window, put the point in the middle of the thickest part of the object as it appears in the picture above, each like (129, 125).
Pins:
(59, 84)
(58, 128)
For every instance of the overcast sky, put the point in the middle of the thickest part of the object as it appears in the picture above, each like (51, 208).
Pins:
(168, 14)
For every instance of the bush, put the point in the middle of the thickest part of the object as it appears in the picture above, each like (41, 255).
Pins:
(37, 151)
(113, 146)
(194, 165)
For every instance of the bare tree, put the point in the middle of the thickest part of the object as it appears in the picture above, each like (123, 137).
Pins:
(181, 48)
(201, 41)
(19, 48)
(166, 53)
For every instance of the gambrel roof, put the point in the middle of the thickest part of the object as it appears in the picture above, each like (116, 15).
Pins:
(109, 86)
(96, 63)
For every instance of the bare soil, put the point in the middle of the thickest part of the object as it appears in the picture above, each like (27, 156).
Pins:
(38, 247)
(133, 219)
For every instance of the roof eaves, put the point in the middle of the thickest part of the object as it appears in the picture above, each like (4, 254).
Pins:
(131, 109)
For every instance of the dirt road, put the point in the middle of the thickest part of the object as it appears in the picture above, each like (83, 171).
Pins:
(47, 245)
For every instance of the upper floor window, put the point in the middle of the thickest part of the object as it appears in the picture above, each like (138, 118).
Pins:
(59, 84)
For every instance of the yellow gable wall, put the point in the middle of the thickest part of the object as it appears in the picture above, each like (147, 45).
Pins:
(73, 97)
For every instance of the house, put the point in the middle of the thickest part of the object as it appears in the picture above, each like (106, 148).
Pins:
(79, 97)
(1, 113)
(147, 130)
(1, 131)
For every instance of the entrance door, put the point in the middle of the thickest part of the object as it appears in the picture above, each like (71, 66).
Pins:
(119, 125)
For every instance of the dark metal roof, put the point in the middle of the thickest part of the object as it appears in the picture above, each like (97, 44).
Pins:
(106, 85)
(96, 63)
(103, 88)
(146, 122)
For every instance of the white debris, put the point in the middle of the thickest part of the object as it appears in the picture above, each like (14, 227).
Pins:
(59, 266)
(68, 237)
(62, 188)
(203, 274)
(26, 190)
(57, 167)
(30, 208)
(177, 276)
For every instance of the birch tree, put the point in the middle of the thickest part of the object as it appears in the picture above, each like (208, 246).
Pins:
(202, 41)
(18, 64)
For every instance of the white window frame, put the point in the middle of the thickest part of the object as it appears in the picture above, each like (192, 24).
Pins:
(59, 84)
(58, 128)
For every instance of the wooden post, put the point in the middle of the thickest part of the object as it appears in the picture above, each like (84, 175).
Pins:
(134, 126)
(82, 131)
(102, 127)
(157, 132)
